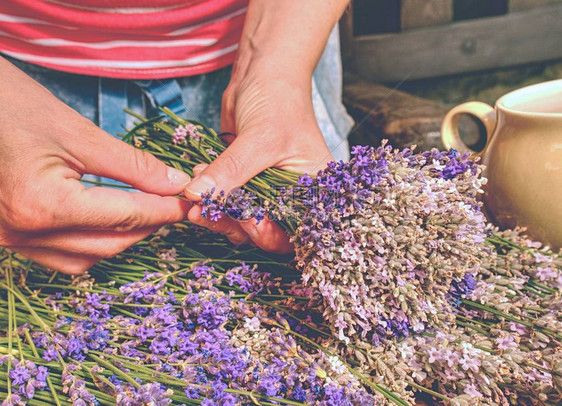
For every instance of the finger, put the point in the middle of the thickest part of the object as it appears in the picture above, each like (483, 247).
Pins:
(227, 114)
(233, 168)
(226, 226)
(125, 211)
(268, 236)
(72, 264)
(228, 137)
(198, 169)
(99, 208)
(101, 244)
(104, 155)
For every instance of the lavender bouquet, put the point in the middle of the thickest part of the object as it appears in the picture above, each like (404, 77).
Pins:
(383, 237)
(504, 345)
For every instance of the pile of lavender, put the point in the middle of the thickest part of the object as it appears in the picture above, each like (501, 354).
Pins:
(384, 237)
(504, 346)
(164, 324)
(158, 329)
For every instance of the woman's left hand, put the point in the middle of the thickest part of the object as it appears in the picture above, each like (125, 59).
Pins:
(268, 106)
(275, 126)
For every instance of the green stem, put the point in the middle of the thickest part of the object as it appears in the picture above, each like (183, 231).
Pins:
(10, 332)
(116, 370)
(428, 391)
(24, 301)
(509, 317)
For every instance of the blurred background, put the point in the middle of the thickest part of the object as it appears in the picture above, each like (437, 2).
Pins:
(406, 62)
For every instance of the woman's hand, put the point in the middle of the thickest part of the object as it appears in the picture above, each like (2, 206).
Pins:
(46, 214)
(275, 127)
(268, 106)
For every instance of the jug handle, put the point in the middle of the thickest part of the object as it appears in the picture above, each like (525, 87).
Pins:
(450, 127)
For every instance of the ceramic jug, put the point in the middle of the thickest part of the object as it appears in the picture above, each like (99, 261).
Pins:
(523, 158)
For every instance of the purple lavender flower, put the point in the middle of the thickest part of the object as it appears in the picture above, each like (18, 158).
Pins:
(50, 353)
(144, 291)
(13, 400)
(239, 204)
(20, 374)
(200, 270)
(184, 132)
(212, 209)
(154, 394)
(27, 377)
(180, 135)
(506, 342)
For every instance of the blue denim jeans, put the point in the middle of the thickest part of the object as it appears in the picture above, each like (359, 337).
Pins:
(103, 100)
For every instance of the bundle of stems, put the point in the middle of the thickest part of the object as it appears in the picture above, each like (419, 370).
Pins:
(34, 300)
(156, 134)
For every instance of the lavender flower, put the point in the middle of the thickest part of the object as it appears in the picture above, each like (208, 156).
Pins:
(153, 394)
(184, 132)
(27, 377)
(76, 388)
(238, 204)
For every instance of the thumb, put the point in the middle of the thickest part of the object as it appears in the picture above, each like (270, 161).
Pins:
(238, 164)
(112, 158)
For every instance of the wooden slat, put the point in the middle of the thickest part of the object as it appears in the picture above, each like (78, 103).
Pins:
(423, 13)
(513, 39)
(519, 5)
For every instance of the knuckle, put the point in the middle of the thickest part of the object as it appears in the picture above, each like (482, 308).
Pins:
(228, 99)
(130, 222)
(237, 239)
(233, 164)
(228, 94)
(234, 234)
(26, 218)
(24, 210)
(144, 162)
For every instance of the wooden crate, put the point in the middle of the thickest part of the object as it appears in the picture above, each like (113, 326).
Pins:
(428, 42)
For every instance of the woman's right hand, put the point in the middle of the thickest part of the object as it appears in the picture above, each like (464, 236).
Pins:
(46, 213)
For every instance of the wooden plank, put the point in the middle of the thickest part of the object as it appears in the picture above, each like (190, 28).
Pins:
(423, 13)
(530, 36)
(520, 5)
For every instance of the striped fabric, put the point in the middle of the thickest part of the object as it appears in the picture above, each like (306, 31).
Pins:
(127, 39)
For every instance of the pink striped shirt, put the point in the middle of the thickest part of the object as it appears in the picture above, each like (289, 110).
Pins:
(130, 39)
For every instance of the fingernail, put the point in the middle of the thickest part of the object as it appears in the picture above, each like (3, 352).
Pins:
(177, 177)
(200, 184)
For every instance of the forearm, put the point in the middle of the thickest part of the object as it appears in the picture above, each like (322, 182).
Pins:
(286, 38)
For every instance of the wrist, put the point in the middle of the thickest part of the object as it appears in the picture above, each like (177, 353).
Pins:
(286, 38)
(263, 60)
